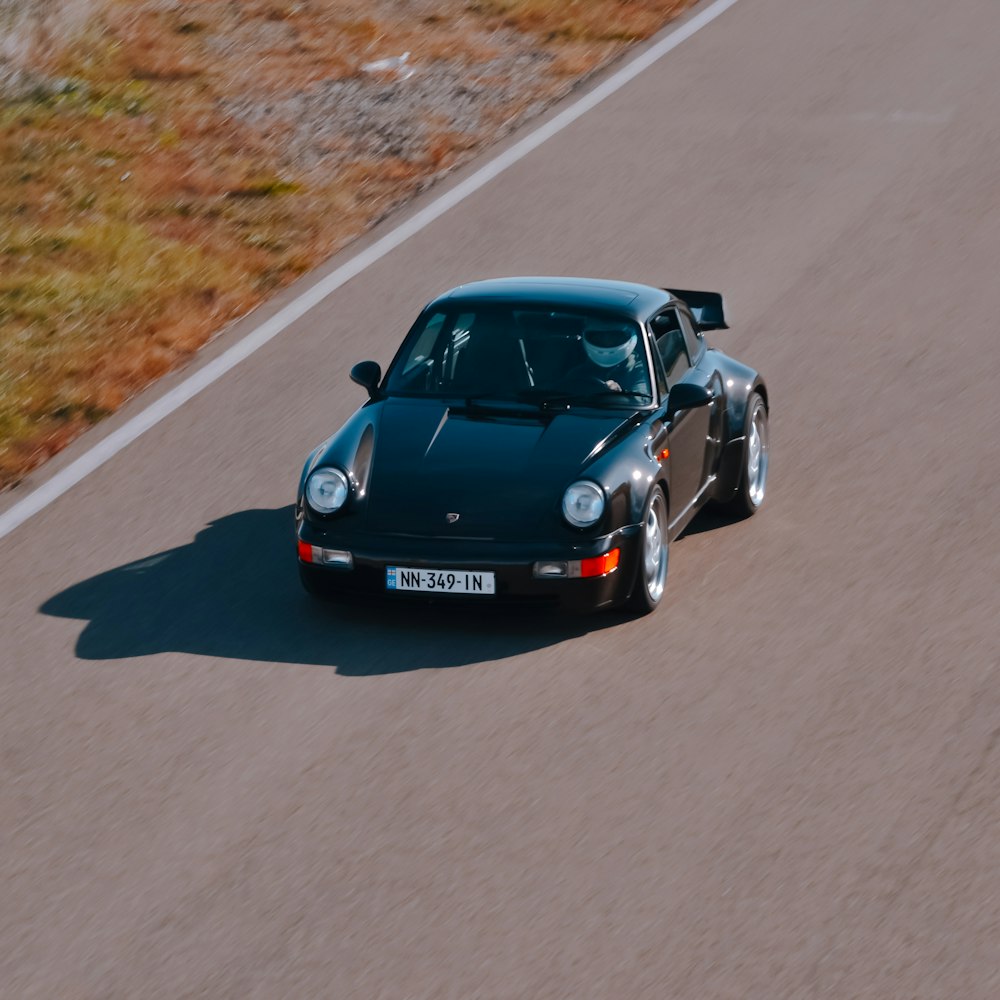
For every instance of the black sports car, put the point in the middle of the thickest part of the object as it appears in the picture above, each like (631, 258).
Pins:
(538, 439)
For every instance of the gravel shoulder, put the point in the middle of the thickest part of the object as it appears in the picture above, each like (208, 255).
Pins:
(165, 167)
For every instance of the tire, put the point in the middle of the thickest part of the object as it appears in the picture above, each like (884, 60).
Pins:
(753, 473)
(651, 573)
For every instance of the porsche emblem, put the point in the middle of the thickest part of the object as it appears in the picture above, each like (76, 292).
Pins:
(452, 518)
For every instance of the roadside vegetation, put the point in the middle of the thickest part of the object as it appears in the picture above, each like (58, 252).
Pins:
(165, 166)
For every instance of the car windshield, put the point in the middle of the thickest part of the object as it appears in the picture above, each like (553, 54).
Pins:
(537, 356)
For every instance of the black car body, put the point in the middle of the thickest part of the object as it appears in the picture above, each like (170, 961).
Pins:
(481, 456)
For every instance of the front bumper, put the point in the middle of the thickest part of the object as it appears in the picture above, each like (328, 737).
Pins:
(512, 562)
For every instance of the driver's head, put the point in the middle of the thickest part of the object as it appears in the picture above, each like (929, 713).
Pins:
(608, 343)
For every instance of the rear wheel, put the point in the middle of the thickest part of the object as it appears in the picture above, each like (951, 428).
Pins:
(651, 576)
(753, 476)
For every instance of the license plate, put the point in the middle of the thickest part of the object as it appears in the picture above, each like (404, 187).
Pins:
(439, 581)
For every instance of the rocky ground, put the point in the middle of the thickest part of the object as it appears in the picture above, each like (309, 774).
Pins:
(30, 32)
(165, 165)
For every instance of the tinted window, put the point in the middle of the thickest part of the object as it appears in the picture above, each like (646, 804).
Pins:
(670, 345)
(424, 344)
(523, 353)
(691, 339)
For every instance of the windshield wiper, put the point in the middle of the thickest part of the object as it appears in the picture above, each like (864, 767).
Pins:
(487, 403)
(547, 399)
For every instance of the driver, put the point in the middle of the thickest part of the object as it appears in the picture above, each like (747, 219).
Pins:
(612, 350)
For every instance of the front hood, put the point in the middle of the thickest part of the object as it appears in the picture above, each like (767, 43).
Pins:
(502, 474)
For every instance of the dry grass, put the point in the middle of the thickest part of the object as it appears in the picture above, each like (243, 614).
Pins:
(136, 218)
(582, 20)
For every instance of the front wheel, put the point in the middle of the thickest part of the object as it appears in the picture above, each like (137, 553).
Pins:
(753, 476)
(651, 577)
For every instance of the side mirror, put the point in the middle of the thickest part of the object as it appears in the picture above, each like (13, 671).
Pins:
(367, 374)
(686, 396)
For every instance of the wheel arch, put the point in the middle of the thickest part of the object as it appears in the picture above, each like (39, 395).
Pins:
(744, 383)
(665, 486)
(761, 389)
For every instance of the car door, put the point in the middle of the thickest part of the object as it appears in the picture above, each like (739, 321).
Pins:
(688, 430)
(704, 373)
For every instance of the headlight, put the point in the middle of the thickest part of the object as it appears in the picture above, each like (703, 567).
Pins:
(583, 504)
(327, 490)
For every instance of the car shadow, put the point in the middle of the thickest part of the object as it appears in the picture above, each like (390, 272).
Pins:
(710, 518)
(234, 592)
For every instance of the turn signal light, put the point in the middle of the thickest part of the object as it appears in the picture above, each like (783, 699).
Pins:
(600, 565)
(597, 566)
(551, 570)
(325, 557)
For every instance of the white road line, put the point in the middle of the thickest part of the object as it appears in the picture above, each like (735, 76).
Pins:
(67, 478)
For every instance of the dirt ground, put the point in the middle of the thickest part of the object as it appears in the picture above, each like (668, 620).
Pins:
(166, 165)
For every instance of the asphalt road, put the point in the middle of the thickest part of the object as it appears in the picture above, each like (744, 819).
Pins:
(783, 784)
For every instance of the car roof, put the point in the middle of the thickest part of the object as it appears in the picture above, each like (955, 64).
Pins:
(623, 298)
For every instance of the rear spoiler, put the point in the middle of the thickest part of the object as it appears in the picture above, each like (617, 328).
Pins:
(706, 307)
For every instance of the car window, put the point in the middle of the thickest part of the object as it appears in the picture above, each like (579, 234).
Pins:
(692, 340)
(658, 373)
(524, 354)
(423, 348)
(670, 345)
(455, 346)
